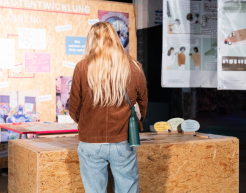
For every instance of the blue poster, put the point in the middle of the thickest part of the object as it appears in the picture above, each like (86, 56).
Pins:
(75, 45)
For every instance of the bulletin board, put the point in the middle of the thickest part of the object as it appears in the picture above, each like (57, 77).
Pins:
(42, 40)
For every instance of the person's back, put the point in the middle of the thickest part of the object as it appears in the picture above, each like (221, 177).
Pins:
(113, 120)
(97, 103)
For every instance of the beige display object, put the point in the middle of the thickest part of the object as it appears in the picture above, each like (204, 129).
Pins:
(45, 83)
(167, 163)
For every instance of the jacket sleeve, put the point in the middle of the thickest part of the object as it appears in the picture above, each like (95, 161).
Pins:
(75, 99)
(142, 95)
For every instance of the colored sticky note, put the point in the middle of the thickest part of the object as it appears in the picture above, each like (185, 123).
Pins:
(190, 126)
(75, 45)
(175, 123)
(162, 126)
(37, 62)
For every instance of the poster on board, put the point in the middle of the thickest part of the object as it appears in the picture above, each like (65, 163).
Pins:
(232, 45)
(189, 43)
(120, 22)
(19, 106)
(16, 107)
(63, 87)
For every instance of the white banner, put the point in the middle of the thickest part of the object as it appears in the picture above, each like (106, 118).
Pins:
(232, 45)
(189, 43)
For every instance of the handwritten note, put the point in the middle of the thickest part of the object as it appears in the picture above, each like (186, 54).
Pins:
(45, 98)
(190, 126)
(162, 126)
(29, 107)
(92, 21)
(63, 28)
(4, 84)
(32, 38)
(68, 64)
(175, 123)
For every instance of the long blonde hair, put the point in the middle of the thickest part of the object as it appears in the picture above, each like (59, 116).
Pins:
(108, 65)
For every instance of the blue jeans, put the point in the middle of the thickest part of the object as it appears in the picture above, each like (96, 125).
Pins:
(94, 159)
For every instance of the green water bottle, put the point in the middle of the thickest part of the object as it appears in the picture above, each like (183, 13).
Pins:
(133, 131)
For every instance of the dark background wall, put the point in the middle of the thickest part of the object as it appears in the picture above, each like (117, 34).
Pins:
(218, 112)
(149, 54)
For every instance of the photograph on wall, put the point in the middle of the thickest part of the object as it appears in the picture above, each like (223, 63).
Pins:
(232, 45)
(63, 87)
(120, 22)
(18, 107)
(189, 43)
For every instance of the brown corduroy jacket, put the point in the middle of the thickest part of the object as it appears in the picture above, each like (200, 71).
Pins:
(105, 124)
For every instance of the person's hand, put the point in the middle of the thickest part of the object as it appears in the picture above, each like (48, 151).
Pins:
(176, 53)
(137, 110)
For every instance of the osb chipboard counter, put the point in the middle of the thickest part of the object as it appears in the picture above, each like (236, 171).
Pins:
(167, 163)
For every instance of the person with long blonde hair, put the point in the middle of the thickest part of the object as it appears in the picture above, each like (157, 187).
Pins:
(101, 81)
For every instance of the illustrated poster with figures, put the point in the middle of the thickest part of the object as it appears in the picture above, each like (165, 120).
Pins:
(232, 45)
(189, 56)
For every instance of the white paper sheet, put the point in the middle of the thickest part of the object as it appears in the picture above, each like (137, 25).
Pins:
(68, 64)
(45, 98)
(13, 104)
(32, 38)
(92, 21)
(4, 84)
(63, 28)
(28, 107)
(7, 53)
